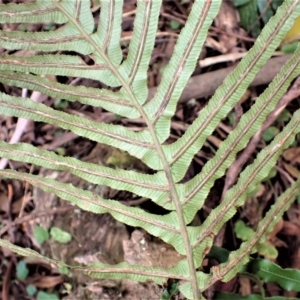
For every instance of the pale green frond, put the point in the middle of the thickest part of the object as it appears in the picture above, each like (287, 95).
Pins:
(40, 12)
(124, 270)
(249, 179)
(135, 143)
(274, 215)
(78, 13)
(112, 101)
(201, 249)
(127, 271)
(150, 186)
(65, 39)
(63, 65)
(240, 257)
(30, 253)
(165, 227)
(76, 35)
(139, 273)
(109, 30)
(100, 270)
(181, 66)
(186, 288)
(197, 189)
(80, 23)
(135, 67)
(229, 93)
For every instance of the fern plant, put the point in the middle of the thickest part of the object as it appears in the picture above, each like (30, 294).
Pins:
(126, 95)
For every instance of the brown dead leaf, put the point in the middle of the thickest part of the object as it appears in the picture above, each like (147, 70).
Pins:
(95, 287)
(245, 286)
(212, 43)
(226, 21)
(4, 202)
(38, 261)
(215, 141)
(290, 228)
(87, 259)
(296, 260)
(21, 203)
(292, 154)
(273, 239)
(277, 243)
(43, 282)
(293, 171)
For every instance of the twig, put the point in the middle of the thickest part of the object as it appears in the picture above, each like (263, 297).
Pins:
(6, 281)
(204, 85)
(225, 58)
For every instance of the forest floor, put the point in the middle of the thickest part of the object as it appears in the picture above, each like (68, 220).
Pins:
(23, 208)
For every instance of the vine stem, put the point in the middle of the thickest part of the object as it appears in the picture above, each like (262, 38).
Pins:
(166, 166)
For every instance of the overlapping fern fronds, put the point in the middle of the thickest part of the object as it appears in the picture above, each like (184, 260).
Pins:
(78, 33)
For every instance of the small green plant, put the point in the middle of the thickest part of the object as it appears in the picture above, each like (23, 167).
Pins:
(253, 12)
(46, 296)
(245, 232)
(40, 234)
(22, 272)
(59, 235)
(77, 40)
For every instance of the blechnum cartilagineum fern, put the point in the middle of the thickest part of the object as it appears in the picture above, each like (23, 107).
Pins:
(126, 96)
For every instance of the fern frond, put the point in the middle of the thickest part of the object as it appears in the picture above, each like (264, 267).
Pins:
(249, 179)
(114, 102)
(239, 137)
(80, 23)
(175, 77)
(181, 152)
(240, 257)
(135, 67)
(135, 143)
(153, 186)
(100, 270)
(166, 227)
(63, 65)
(39, 12)
(109, 30)
(79, 47)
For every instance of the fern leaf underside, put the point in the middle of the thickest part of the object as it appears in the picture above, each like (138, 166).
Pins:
(46, 53)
